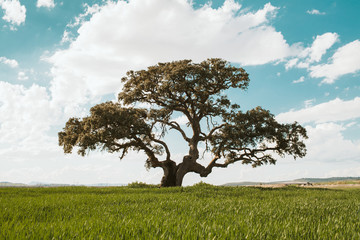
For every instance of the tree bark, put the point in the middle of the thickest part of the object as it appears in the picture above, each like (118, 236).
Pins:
(174, 174)
(169, 178)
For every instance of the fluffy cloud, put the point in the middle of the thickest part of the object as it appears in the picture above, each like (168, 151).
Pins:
(66, 37)
(14, 12)
(45, 3)
(89, 11)
(344, 61)
(29, 122)
(315, 12)
(26, 114)
(22, 76)
(327, 143)
(320, 45)
(325, 124)
(10, 62)
(332, 111)
(314, 53)
(132, 35)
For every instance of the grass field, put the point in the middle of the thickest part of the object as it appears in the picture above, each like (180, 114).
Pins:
(199, 212)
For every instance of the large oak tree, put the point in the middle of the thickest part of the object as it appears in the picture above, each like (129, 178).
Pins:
(198, 92)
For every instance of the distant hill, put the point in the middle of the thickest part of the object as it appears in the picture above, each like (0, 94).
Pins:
(325, 180)
(10, 184)
(296, 181)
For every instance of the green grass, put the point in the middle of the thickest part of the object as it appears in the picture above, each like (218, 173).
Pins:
(200, 212)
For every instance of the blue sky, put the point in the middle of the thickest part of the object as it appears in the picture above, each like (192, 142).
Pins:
(58, 58)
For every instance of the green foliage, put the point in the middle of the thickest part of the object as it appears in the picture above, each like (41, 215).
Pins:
(110, 127)
(246, 137)
(198, 212)
(142, 185)
(203, 185)
(185, 86)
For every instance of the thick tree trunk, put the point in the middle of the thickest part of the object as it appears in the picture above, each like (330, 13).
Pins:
(174, 174)
(169, 178)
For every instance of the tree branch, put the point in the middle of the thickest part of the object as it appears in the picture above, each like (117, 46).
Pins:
(212, 132)
(176, 126)
(153, 159)
(168, 156)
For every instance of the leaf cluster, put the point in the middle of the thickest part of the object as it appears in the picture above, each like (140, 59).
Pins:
(191, 88)
(247, 137)
(110, 127)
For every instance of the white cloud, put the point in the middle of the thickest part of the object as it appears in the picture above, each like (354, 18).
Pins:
(327, 143)
(89, 11)
(10, 62)
(22, 76)
(26, 114)
(352, 171)
(291, 63)
(313, 54)
(320, 45)
(66, 37)
(315, 12)
(301, 79)
(332, 111)
(345, 60)
(15, 13)
(45, 3)
(325, 124)
(133, 35)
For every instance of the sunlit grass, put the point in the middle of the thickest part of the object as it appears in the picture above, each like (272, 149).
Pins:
(200, 212)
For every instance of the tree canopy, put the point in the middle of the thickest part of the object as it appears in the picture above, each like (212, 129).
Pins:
(198, 92)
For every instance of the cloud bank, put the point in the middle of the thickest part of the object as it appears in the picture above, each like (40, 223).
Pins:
(121, 36)
(26, 114)
(325, 124)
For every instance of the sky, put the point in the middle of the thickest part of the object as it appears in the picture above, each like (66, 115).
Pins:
(58, 58)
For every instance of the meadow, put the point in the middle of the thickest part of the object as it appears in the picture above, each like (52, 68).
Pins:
(198, 212)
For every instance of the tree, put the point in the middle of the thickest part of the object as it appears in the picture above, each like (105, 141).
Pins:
(197, 91)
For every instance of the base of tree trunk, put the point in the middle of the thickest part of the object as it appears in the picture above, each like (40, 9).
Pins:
(169, 178)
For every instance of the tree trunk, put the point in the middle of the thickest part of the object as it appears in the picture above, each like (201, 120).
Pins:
(174, 175)
(169, 178)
